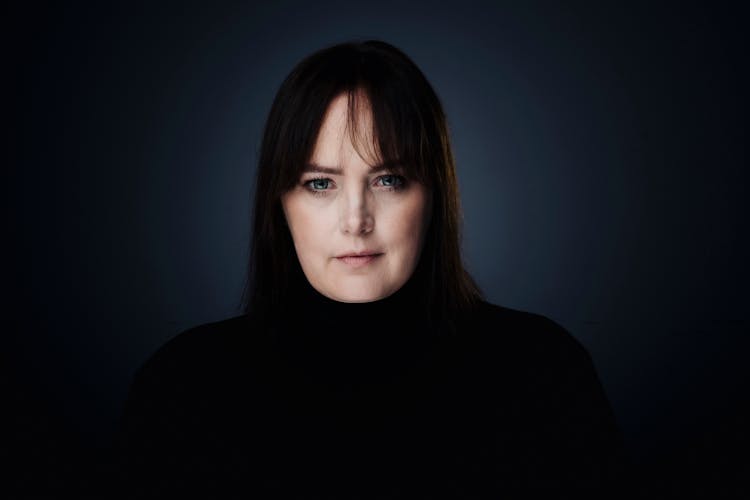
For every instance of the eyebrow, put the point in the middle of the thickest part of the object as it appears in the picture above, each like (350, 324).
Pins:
(314, 167)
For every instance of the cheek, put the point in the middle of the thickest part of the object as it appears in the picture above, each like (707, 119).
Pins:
(307, 226)
(409, 222)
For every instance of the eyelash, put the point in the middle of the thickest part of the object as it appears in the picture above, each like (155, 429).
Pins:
(401, 180)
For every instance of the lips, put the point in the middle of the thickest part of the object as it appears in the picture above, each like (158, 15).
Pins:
(355, 261)
(364, 253)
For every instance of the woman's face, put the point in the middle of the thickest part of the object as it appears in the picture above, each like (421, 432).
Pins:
(342, 206)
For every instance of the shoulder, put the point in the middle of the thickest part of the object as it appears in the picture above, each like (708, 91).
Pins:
(524, 334)
(535, 358)
(198, 347)
(182, 381)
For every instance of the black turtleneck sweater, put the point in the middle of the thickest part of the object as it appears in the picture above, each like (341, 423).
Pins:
(362, 400)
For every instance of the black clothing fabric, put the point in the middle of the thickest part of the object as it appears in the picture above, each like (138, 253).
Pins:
(361, 400)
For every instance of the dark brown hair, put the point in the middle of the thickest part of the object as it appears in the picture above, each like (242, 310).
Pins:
(409, 127)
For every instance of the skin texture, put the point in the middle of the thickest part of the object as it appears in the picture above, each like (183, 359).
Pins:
(353, 211)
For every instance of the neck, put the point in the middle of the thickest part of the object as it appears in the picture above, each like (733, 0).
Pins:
(393, 319)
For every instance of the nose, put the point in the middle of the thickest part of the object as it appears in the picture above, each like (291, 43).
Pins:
(356, 214)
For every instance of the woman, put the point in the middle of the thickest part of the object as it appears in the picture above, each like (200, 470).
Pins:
(366, 364)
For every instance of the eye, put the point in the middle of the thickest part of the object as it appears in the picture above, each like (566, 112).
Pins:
(319, 184)
(392, 181)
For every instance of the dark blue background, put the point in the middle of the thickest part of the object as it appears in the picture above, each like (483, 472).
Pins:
(601, 152)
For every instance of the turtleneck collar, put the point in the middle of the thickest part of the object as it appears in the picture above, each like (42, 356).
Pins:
(319, 322)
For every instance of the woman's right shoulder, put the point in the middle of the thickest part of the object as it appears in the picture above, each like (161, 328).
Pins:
(198, 346)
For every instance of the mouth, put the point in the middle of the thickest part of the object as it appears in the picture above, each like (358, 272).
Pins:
(356, 261)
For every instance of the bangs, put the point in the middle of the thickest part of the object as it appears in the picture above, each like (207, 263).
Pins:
(380, 135)
(390, 119)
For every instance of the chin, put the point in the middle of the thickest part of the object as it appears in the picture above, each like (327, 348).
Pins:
(358, 297)
(353, 294)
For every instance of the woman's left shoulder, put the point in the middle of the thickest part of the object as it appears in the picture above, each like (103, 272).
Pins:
(524, 331)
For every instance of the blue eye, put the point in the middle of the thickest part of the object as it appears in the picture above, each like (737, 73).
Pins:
(393, 181)
(319, 186)
(320, 183)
